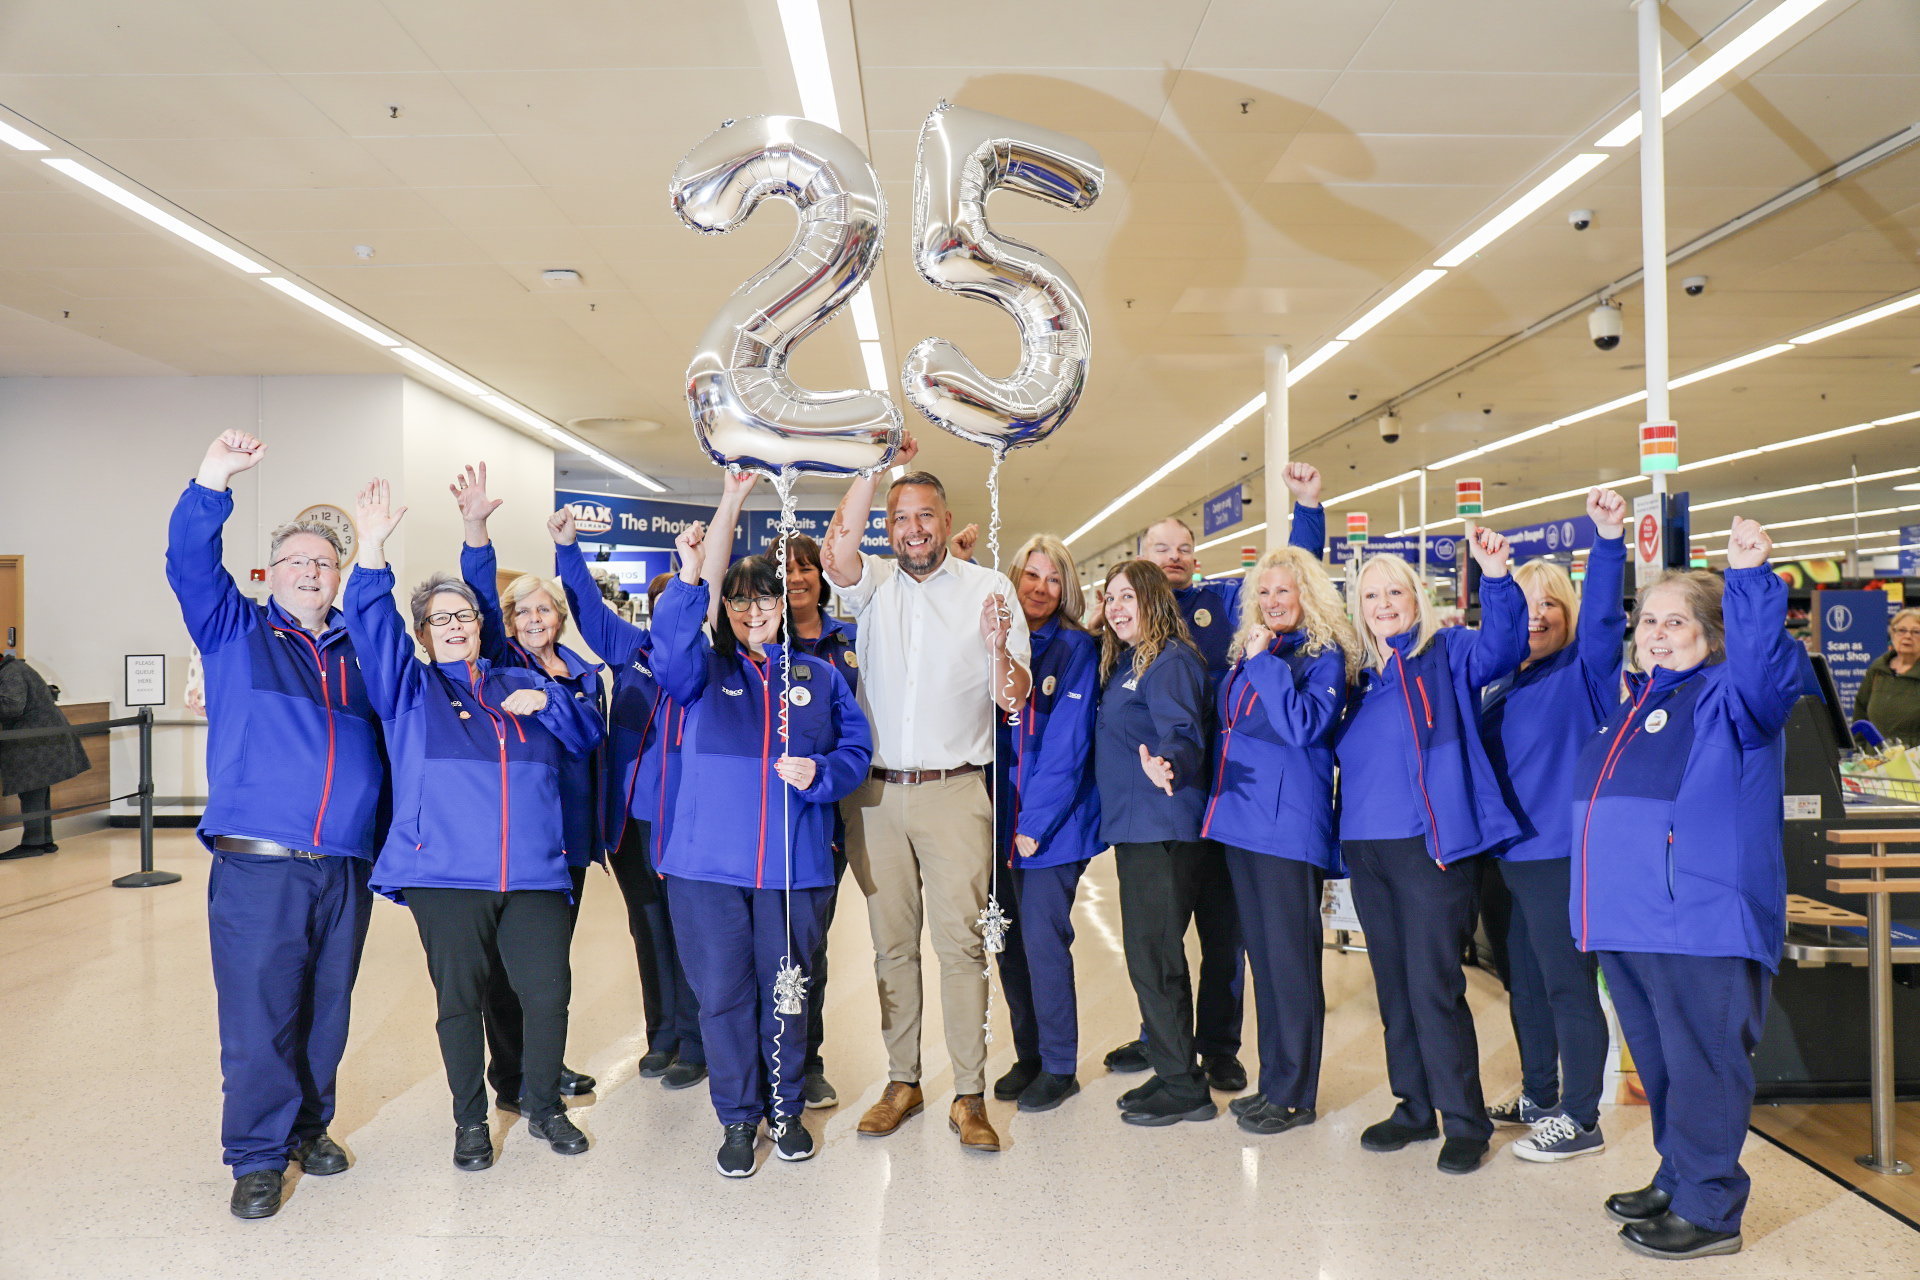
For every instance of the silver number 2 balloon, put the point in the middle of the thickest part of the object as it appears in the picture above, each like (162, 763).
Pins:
(965, 156)
(747, 411)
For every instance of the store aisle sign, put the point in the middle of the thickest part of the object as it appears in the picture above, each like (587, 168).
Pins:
(1442, 549)
(1222, 511)
(1910, 550)
(614, 520)
(1851, 627)
(1550, 538)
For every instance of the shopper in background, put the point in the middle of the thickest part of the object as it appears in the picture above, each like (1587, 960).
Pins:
(1679, 881)
(1889, 693)
(1418, 800)
(1534, 724)
(31, 767)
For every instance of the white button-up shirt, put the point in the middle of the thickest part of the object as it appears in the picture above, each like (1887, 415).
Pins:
(924, 670)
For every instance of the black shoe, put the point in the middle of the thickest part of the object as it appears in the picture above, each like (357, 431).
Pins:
(1014, 1083)
(817, 1091)
(473, 1147)
(1048, 1090)
(1224, 1072)
(574, 1083)
(1461, 1155)
(736, 1149)
(654, 1062)
(1168, 1106)
(791, 1141)
(1131, 1056)
(1644, 1205)
(1246, 1106)
(683, 1074)
(1672, 1236)
(257, 1194)
(1273, 1119)
(1391, 1135)
(504, 1103)
(559, 1132)
(1139, 1093)
(34, 851)
(320, 1156)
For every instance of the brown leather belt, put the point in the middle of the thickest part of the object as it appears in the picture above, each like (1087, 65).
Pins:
(914, 777)
(261, 848)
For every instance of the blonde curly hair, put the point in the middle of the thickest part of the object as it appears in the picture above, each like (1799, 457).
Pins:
(1323, 616)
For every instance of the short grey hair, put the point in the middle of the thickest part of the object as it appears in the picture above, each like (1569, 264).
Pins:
(294, 528)
(424, 593)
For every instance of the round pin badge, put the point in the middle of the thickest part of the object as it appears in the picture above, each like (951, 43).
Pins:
(799, 697)
(1657, 721)
(1202, 617)
(1046, 686)
(853, 659)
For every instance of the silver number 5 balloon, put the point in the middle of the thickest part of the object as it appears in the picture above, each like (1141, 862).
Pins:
(747, 411)
(965, 156)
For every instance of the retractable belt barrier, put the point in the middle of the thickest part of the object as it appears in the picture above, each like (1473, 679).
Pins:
(146, 877)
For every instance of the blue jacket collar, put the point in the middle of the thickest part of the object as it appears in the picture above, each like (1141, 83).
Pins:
(575, 664)
(457, 671)
(279, 617)
(1663, 678)
(1404, 641)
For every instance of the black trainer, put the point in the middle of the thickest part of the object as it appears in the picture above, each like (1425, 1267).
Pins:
(1269, 1119)
(791, 1141)
(1048, 1090)
(1672, 1236)
(1391, 1135)
(1139, 1093)
(654, 1062)
(503, 1103)
(1461, 1155)
(1131, 1056)
(559, 1132)
(1224, 1072)
(1014, 1083)
(574, 1083)
(817, 1091)
(1167, 1106)
(736, 1149)
(1638, 1206)
(683, 1074)
(1249, 1104)
(473, 1147)
(320, 1156)
(257, 1194)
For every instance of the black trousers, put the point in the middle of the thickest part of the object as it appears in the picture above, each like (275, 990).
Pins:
(671, 1010)
(467, 933)
(1159, 883)
(817, 988)
(503, 1015)
(1417, 917)
(36, 830)
(1280, 919)
(1221, 1006)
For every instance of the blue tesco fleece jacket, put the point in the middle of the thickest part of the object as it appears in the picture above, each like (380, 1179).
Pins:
(476, 790)
(1273, 757)
(294, 753)
(1412, 761)
(734, 820)
(1045, 787)
(1164, 708)
(581, 777)
(1677, 813)
(1535, 721)
(1212, 607)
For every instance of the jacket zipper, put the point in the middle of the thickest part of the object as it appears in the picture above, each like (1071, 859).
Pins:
(326, 709)
(1427, 706)
(1226, 744)
(1606, 767)
(1419, 760)
(766, 764)
(500, 736)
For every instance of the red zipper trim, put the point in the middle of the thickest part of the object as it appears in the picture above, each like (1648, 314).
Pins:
(1615, 767)
(343, 682)
(326, 709)
(1606, 767)
(766, 764)
(1419, 761)
(1421, 682)
(500, 735)
(1226, 744)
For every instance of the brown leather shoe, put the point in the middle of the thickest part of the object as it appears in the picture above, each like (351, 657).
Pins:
(968, 1118)
(898, 1102)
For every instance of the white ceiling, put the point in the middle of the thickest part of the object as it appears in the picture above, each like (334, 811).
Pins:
(1274, 167)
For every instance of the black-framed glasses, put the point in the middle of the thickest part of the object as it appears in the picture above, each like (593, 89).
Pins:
(740, 604)
(306, 562)
(442, 618)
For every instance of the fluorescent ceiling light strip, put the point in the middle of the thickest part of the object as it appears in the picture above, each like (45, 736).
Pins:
(1599, 409)
(1905, 417)
(1806, 488)
(1391, 303)
(331, 312)
(1882, 551)
(866, 325)
(613, 464)
(1620, 483)
(1247, 532)
(1299, 372)
(876, 366)
(1511, 216)
(155, 214)
(1375, 487)
(1836, 516)
(1172, 464)
(1497, 445)
(20, 141)
(452, 377)
(1723, 60)
(521, 414)
(1880, 312)
(1728, 366)
(807, 50)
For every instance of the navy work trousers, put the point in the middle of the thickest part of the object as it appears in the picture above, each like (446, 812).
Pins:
(1036, 969)
(1554, 999)
(667, 1002)
(1279, 901)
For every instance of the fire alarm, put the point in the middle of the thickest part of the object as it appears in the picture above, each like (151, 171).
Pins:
(257, 575)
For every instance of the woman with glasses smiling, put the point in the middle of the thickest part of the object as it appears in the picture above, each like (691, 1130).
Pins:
(475, 849)
(1889, 694)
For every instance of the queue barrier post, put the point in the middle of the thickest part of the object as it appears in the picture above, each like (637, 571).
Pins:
(146, 877)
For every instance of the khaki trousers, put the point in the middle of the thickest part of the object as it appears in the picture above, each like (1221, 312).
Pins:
(936, 835)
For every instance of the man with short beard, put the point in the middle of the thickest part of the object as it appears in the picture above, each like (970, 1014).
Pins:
(941, 643)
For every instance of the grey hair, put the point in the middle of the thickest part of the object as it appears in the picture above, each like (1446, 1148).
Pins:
(424, 593)
(1702, 591)
(294, 528)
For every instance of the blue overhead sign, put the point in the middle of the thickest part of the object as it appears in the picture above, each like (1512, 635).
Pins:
(1443, 549)
(1222, 511)
(1910, 550)
(614, 521)
(1550, 538)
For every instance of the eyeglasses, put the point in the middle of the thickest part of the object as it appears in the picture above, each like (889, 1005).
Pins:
(442, 618)
(1906, 631)
(740, 604)
(304, 563)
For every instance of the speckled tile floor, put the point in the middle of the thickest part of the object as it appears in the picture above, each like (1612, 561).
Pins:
(109, 1154)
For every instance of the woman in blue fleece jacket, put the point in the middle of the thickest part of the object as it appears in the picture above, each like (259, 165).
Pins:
(1678, 877)
(475, 848)
(1418, 797)
(1272, 810)
(749, 856)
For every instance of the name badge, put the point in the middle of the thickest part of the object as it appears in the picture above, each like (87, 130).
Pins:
(1046, 686)
(1202, 617)
(1657, 721)
(799, 697)
(853, 659)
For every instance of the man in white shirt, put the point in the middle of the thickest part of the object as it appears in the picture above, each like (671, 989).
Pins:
(941, 643)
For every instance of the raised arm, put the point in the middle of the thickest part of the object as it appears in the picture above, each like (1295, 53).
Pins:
(1308, 529)
(215, 610)
(380, 639)
(1765, 665)
(840, 549)
(1601, 631)
(1499, 645)
(1051, 782)
(716, 552)
(680, 646)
